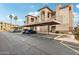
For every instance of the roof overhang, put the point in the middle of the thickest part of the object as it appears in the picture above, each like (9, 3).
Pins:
(53, 22)
(15, 26)
(47, 8)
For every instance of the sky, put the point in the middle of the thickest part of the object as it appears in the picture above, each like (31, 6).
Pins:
(23, 9)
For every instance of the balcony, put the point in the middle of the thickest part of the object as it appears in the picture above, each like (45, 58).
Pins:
(49, 21)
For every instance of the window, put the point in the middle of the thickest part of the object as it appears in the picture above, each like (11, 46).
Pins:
(27, 20)
(32, 19)
(48, 14)
(43, 15)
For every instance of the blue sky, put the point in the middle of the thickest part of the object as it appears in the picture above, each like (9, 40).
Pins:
(23, 9)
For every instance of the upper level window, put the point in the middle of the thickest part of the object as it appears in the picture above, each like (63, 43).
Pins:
(32, 19)
(43, 15)
(48, 15)
(27, 19)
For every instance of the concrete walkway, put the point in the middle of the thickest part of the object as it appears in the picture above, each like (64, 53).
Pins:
(68, 38)
(62, 37)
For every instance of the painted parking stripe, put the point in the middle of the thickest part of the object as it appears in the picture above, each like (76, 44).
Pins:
(73, 46)
(70, 47)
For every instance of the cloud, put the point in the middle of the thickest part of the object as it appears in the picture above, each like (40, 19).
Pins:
(20, 22)
(7, 20)
(76, 18)
(32, 6)
(34, 13)
(44, 4)
(75, 14)
(77, 6)
(13, 15)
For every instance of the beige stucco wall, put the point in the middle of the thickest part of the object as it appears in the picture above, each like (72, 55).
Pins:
(65, 17)
(46, 15)
(41, 18)
(6, 26)
(28, 21)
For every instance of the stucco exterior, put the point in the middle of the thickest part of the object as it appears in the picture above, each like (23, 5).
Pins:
(30, 20)
(46, 14)
(65, 16)
(62, 14)
(6, 26)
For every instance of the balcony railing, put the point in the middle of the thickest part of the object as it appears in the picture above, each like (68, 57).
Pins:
(53, 18)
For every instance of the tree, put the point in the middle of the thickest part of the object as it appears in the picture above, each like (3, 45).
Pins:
(75, 28)
(24, 22)
(15, 18)
(11, 16)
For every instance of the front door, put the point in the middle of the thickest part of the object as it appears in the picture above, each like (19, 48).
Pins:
(53, 28)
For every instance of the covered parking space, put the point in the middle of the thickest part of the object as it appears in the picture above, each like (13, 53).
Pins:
(48, 23)
(17, 28)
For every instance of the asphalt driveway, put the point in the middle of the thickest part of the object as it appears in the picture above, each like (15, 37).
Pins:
(18, 44)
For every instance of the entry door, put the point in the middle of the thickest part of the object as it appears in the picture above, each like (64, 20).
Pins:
(53, 28)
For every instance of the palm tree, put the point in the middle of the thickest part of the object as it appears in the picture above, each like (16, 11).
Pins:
(24, 22)
(15, 18)
(11, 16)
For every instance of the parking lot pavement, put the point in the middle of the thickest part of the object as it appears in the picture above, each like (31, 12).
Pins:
(73, 46)
(38, 35)
(18, 44)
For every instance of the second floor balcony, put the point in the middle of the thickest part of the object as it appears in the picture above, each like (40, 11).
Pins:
(49, 21)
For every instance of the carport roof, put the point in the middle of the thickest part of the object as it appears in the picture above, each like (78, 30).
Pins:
(52, 22)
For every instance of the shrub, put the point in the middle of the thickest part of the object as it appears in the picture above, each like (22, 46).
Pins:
(57, 32)
(62, 32)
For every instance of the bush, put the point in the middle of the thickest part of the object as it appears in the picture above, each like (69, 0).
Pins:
(62, 32)
(76, 33)
(57, 32)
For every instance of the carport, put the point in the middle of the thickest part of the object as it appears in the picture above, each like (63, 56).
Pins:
(48, 23)
(17, 27)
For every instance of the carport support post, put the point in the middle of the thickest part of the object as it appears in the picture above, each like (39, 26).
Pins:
(48, 29)
(35, 28)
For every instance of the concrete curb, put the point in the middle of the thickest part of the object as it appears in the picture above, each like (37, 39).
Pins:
(69, 39)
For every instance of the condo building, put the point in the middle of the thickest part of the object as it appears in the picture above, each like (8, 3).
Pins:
(49, 20)
(6, 26)
(65, 16)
